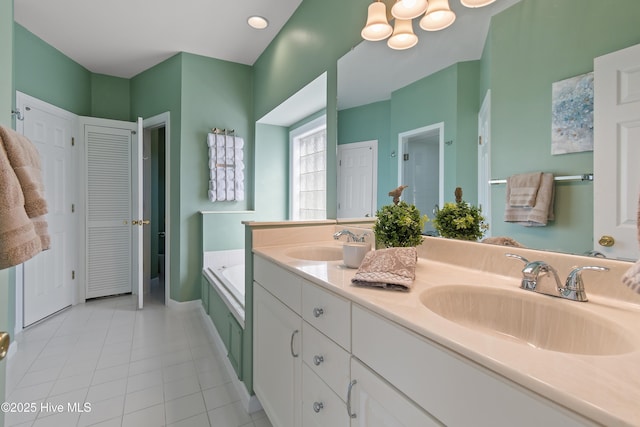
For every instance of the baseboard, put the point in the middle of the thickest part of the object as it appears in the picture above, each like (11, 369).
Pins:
(250, 403)
(184, 306)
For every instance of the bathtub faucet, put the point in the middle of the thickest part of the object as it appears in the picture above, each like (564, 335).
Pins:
(351, 237)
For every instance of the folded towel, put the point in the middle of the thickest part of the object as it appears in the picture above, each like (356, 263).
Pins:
(632, 277)
(18, 239)
(392, 268)
(523, 189)
(541, 212)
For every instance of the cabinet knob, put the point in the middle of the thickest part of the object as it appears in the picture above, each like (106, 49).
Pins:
(317, 406)
(317, 360)
(317, 312)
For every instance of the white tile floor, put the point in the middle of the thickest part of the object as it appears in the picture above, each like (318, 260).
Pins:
(155, 367)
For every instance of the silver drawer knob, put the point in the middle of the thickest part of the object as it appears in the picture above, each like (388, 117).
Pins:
(317, 406)
(317, 312)
(317, 360)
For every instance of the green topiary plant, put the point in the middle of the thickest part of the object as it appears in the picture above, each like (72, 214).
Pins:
(460, 220)
(399, 225)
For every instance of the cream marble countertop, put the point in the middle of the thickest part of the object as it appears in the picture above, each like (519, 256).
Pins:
(603, 388)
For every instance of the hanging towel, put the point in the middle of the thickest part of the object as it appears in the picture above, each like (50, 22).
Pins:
(391, 268)
(632, 277)
(542, 210)
(523, 189)
(19, 239)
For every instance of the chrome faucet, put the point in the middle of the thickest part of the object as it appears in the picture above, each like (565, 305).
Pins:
(351, 237)
(573, 288)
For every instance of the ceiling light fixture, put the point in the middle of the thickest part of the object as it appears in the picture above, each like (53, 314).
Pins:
(257, 22)
(437, 15)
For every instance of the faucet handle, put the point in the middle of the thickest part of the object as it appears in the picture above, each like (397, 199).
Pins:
(574, 286)
(521, 258)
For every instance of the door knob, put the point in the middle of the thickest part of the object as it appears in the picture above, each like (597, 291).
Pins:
(4, 344)
(606, 241)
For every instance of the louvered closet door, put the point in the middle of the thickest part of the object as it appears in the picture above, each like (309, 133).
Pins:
(109, 210)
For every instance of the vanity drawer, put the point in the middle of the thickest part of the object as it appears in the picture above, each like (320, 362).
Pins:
(283, 284)
(328, 313)
(327, 359)
(321, 407)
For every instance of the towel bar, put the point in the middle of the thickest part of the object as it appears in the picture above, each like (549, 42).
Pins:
(583, 177)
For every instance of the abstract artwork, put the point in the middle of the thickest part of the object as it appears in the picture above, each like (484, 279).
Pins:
(572, 115)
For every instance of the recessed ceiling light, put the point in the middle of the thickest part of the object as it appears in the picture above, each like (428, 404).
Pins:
(258, 22)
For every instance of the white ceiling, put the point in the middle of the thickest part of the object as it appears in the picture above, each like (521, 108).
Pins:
(125, 37)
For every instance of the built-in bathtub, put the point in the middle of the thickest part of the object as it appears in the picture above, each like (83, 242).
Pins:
(224, 270)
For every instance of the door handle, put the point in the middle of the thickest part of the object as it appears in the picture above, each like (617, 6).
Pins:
(606, 241)
(5, 340)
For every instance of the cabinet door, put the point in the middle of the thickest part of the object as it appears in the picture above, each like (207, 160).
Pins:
(277, 363)
(376, 403)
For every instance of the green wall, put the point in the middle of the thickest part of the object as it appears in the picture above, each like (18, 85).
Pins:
(45, 73)
(366, 123)
(110, 97)
(530, 46)
(272, 177)
(7, 287)
(215, 93)
(447, 96)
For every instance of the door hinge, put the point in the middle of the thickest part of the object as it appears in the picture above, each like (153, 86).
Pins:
(405, 157)
(73, 274)
(73, 141)
(73, 207)
(479, 139)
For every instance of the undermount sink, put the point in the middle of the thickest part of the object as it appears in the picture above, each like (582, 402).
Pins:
(316, 253)
(531, 319)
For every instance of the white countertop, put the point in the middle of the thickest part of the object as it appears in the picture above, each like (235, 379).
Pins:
(603, 388)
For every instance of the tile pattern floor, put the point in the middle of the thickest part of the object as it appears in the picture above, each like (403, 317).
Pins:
(152, 367)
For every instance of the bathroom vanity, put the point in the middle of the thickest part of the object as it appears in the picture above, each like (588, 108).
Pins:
(347, 355)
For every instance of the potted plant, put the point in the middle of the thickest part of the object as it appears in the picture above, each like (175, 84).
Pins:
(460, 220)
(399, 225)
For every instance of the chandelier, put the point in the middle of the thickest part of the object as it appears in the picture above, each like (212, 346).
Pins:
(436, 15)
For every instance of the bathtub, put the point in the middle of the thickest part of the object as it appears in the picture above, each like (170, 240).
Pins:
(225, 272)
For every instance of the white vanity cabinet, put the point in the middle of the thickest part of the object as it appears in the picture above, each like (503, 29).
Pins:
(276, 359)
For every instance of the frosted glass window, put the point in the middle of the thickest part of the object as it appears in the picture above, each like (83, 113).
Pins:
(308, 171)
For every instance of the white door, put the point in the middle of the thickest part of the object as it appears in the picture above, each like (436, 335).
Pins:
(375, 403)
(111, 209)
(484, 160)
(138, 210)
(357, 179)
(277, 365)
(616, 153)
(49, 279)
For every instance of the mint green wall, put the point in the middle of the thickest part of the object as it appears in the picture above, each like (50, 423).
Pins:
(110, 97)
(532, 45)
(215, 93)
(7, 283)
(366, 123)
(272, 175)
(310, 43)
(448, 96)
(45, 73)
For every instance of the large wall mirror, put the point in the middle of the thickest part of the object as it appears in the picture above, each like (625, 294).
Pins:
(515, 50)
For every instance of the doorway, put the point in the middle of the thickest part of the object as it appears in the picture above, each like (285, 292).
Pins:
(156, 202)
(421, 168)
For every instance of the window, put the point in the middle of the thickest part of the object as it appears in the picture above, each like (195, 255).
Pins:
(308, 170)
